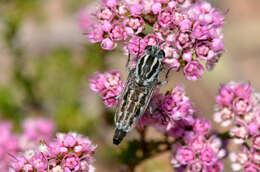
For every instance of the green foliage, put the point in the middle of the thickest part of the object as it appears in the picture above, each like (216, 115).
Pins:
(130, 153)
(9, 108)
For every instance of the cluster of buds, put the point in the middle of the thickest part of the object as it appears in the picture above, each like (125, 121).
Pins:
(247, 158)
(67, 153)
(33, 130)
(169, 111)
(199, 153)
(108, 85)
(238, 104)
(189, 30)
(8, 144)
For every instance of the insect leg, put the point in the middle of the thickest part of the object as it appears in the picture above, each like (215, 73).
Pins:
(150, 109)
(138, 53)
(112, 97)
(128, 60)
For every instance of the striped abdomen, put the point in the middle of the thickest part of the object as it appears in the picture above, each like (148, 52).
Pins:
(132, 105)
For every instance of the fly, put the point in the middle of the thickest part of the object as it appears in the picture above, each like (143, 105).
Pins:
(141, 83)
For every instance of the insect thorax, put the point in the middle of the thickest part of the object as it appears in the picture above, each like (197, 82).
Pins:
(148, 68)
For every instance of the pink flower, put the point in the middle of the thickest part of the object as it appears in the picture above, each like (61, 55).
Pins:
(136, 10)
(134, 25)
(217, 45)
(108, 85)
(185, 25)
(256, 142)
(110, 3)
(85, 19)
(184, 155)
(202, 126)
(38, 129)
(216, 167)
(96, 33)
(105, 14)
(108, 44)
(196, 166)
(8, 144)
(204, 51)
(133, 45)
(207, 156)
(251, 168)
(151, 39)
(71, 162)
(241, 106)
(117, 32)
(184, 41)
(225, 96)
(193, 70)
(69, 141)
(225, 117)
(39, 162)
(165, 17)
(156, 7)
(57, 155)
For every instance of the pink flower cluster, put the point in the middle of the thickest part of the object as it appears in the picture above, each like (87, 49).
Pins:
(238, 104)
(190, 31)
(8, 144)
(196, 149)
(67, 153)
(169, 111)
(109, 85)
(199, 153)
(33, 130)
(247, 159)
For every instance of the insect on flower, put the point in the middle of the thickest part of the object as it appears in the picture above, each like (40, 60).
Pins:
(142, 80)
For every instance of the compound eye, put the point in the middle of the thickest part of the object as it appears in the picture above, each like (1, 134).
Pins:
(161, 54)
(148, 48)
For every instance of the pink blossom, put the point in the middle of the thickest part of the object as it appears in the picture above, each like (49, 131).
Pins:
(216, 167)
(8, 144)
(156, 7)
(184, 155)
(105, 14)
(108, 44)
(185, 25)
(241, 106)
(204, 51)
(196, 166)
(136, 45)
(193, 70)
(38, 129)
(53, 157)
(117, 32)
(134, 25)
(96, 33)
(256, 142)
(225, 117)
(110, 3)
(225, 96)
(202, 126)
(85, 19)
(207, 156)
(39, 161)
(165, 17)
(136, 9)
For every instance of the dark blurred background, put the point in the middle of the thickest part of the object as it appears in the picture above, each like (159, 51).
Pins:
(45, 58)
